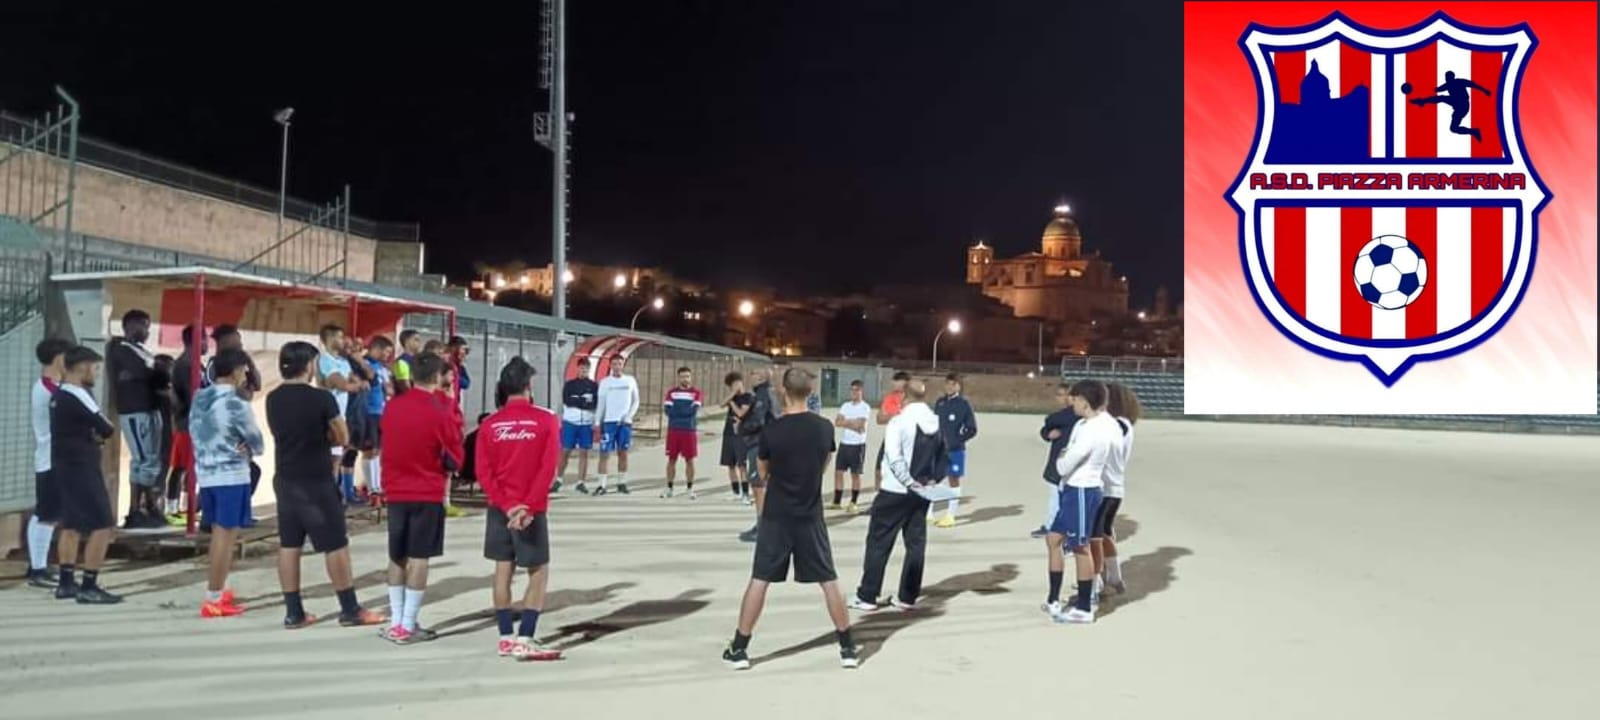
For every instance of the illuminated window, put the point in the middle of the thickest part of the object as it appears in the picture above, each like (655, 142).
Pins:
(1075, 272)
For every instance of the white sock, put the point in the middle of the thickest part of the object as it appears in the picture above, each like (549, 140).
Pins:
(1113, 569)
(374, 475)
(213, 596)
(603, 478)
(39, 534)
(413, 599)
(1098, 585)
(955, 503)
(930, 508)
(397, 604)
(622, 478)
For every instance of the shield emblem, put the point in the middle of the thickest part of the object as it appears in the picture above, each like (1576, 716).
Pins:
(1388, 212)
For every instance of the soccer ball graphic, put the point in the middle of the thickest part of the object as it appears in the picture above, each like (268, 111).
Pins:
(1391, 272)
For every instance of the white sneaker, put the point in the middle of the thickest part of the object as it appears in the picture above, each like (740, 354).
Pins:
(864, 606)
(904, 606)
(1074, 616)
(693, 495)
(666, 494)
(1053, 608)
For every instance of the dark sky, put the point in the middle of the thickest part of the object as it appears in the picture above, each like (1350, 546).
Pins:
(811, 145)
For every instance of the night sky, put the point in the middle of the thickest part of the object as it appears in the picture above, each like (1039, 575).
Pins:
(817, 145)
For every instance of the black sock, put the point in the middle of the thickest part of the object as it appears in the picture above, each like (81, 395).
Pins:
(855, 494)
(689, 484)
(502, 617)
(1085, 590)
(530, 623)
(293, 608)
(91, 579)
(347, 602)
(843, 636)
(740, 640)
(669, 484)
(744, 489)
(735, 485)
(838, 496)
(1055, 586)
(66, 575)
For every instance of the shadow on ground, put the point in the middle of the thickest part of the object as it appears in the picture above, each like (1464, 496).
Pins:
(480, 620)
(630, 617)
(870, 632)
(1146, 575)
(985, 514)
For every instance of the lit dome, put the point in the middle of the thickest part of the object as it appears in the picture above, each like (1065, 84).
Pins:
(1062, 225)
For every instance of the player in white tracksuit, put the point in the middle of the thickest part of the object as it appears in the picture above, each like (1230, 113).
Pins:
(614, 411)
(1123, 405)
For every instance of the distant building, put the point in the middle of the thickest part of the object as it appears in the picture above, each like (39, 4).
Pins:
(1061, 283)
(1321, 128)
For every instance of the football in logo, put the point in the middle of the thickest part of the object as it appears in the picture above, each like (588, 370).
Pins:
(1391, 272)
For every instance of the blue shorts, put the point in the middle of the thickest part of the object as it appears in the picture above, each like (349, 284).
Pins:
(226, 507)
(615, 437)
(1076, 517)
(958, 463)
(576, 437)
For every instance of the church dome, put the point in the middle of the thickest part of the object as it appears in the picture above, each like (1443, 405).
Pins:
(1062, 225)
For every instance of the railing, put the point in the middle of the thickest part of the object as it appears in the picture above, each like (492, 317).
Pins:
(1103, 363)
(105, 155)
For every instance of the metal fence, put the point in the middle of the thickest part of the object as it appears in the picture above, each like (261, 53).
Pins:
(102, 154)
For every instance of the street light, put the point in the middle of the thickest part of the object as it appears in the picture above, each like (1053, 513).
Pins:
(657, 304)
(620, 281)
(567, 277)
(282, 118)
(954, 328)
(746, 308)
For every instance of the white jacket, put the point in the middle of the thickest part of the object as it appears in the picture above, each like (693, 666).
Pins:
(618, 401)
(1116, 477)
(899, 437)
(1083, 463)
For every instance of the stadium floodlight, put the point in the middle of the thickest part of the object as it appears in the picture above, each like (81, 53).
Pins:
(282, 118)
(620, 281)
(746, 308)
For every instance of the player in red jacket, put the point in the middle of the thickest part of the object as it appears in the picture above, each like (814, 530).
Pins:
(422, 446)
(518, 449)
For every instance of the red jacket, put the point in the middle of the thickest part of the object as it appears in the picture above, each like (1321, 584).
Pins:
(452, 402)
(421, 446)
(517, 452)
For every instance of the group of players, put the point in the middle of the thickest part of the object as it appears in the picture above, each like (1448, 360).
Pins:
(776, 446)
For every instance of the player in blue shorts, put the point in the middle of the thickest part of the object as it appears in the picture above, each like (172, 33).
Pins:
(958, 424)
(1094, 440)
(618, 403)
(578, 399)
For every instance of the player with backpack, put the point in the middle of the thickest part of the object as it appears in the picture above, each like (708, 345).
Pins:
(914, 456)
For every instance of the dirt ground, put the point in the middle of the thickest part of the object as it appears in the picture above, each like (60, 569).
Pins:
(1274, 572)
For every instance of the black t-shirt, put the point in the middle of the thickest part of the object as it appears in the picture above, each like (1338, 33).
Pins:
(796, 448)
(744, 399)
(300, 416)
(134, 383)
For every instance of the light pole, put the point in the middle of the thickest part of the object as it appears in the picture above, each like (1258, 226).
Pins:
(282, 118)
(657, 304)
(954, 328)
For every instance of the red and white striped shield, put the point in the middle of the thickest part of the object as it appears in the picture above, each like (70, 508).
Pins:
(1387, 209)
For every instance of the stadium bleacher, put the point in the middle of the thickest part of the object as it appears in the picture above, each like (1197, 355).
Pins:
(1160, 389)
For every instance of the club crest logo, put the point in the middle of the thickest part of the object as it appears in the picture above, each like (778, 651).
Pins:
(1387, 211)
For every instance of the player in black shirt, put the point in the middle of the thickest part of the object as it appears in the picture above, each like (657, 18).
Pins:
(306, 426)
(794, 452)
(77, 432)
(734, 449)
(131, 369)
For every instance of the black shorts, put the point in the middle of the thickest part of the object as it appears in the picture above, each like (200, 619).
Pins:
(416, 530)
(752, 468)
(371, 435)
(732, 450)
(46, 498)
(85, 506)
(803, 539)
(311, 510)
(527, 548)
(1106, 515)
(851, 459)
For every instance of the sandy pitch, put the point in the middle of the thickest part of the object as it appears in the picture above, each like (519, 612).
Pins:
(1275, 572)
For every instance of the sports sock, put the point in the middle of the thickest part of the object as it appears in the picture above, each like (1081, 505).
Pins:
(622, 478)
(735, 486)
(397, 604)
(1085, 591)
(39, 534)
(1113, 569)
(66, 575)
(347, 480)
(843, 636)
(603, 478)
(374, 481)
(293, 608)
(688, 484)
(213, 596)
(502, 617)
(1055, 586)
(744, 489)
(91, 579)
(347, 602)
(855, 494)
(530, 622)
(413, 606)
(669, 484)
(740, 640)
(955, 504)
(838, 496)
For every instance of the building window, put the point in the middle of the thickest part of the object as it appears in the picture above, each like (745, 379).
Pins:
(1027, 277)
(1075, 273)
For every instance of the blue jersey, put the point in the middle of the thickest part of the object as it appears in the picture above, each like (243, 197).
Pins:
(376, 399)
